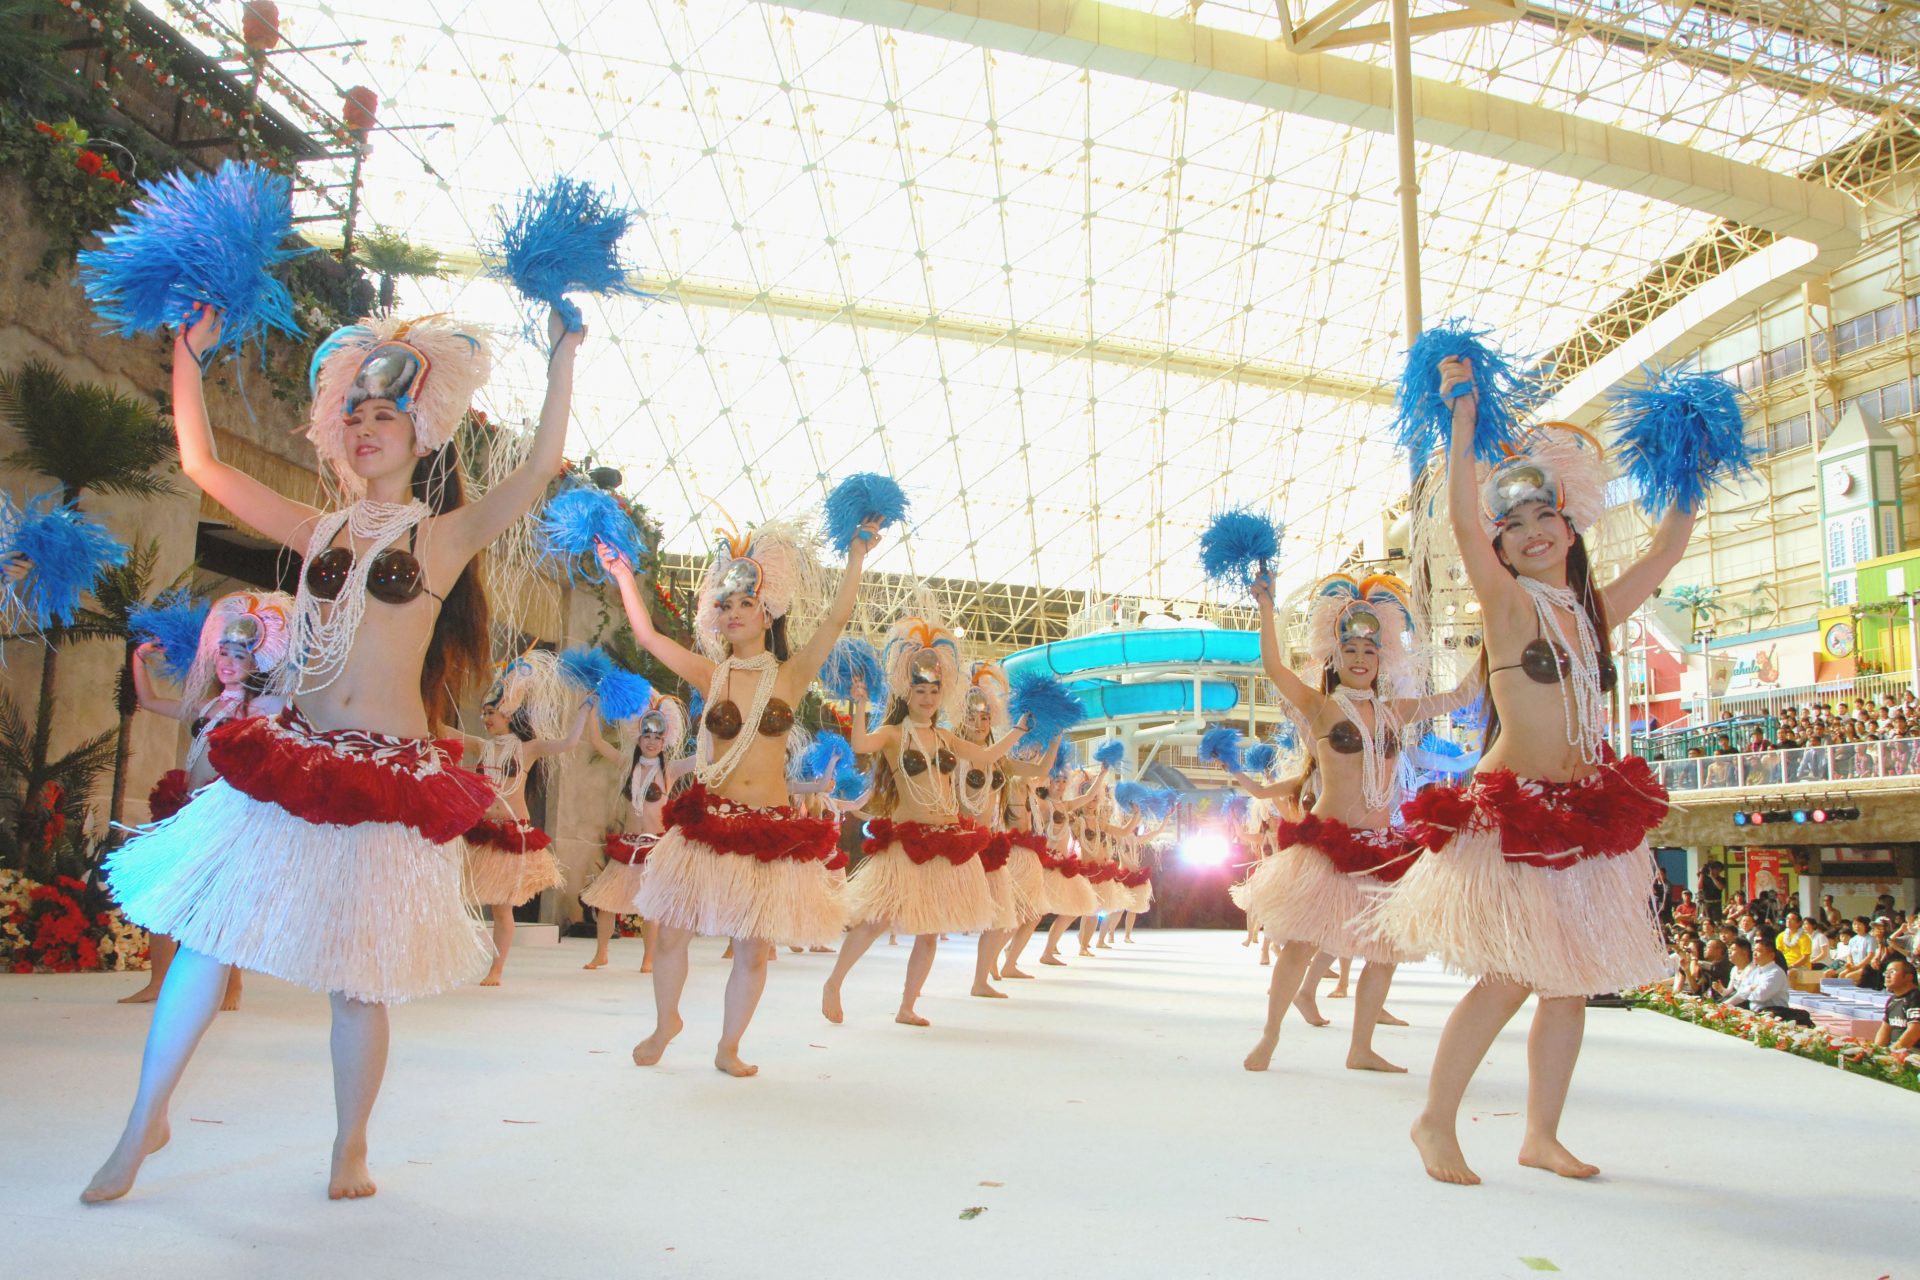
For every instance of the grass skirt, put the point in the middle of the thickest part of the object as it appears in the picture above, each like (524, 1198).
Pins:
(765, 876)
(372, 911)
(509, 863)
(1560, 920)
(1070, 895)
(1298, 895)
(1000, 887)
(366, 904)
(618, 884)
(1029, 882)
(935, 896)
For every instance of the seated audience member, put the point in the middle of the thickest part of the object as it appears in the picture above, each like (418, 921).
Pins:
(1795, 942)
(1685, 913)
(1822, 954)
(1870, 972)
(1901, 1027)
(1762, 986)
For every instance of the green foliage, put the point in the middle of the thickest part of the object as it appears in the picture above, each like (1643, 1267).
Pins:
(42, 801)
(70, 204)
(85, 435)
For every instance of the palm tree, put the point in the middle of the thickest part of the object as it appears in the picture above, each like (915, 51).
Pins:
(1702, 604)
(116, 592)
(391, 257)
(84, 437)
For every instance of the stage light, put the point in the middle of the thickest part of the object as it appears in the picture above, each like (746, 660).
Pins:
(1740, 819)
(1819, 815)
(1205, 849)
(1799, 815)
(1756, 818)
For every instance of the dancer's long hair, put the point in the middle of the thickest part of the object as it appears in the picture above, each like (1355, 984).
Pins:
(1580, 582)
(460, 655)
(886, 788)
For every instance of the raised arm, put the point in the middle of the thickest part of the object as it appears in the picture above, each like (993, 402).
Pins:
(1270, 790)
(1484, 570)
(542, 747)
(1033, 768)
(694, 668)
(487, 517)
(985, 754)
(1295, 690)
(864, 740)
(1638, 580)
(598, 741)
(143, 685)
(814, 653)
(1413, 710)
(274, 514)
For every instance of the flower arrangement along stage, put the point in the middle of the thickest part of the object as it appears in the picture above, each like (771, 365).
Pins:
(1765, 1031)
(67, 926)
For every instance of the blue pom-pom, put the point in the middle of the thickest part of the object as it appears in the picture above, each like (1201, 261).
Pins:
(1047, 704)
(1423, 421)
(850, 782)
(563, 238)
(1221, 746)
(624, 694)
(174, 621)
(1236, 807)
(573, 520)
(199, 237)
(1133, 796)
(826, 755)
(1262, 757)
(1680, 433)
(853, 657)
(1110, 754)
(1237, 545)
(65, 552)
(585, 667)
(859, 498)
(1285, 736)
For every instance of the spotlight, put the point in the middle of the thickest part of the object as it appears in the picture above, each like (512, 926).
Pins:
(1819, 815)
(1740, 819)
(1756, 818)
(1799, 815)
(1205, 849)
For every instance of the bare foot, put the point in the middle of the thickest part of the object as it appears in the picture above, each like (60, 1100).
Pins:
(1310, 1011)
(230, 1003)
(1388, 1020)
(1370, 1061)
(1104, 946)
(1550, 1155)
(830, 1006)
(598, 962)
(1262, 1055)
(1265, 959)
(492, 979)
(646, 966)
(908, 1018)
(1052, 959)
(1338, 993)
(115, 1177)
(728, 1060)
(820, 951)
(987, 992)
(145, 995)
(649, 1051)
(1084, 951)
(1008, 971)
(1440, 1153)
(351, 1179)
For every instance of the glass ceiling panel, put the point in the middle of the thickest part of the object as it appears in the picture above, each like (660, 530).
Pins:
(1074, 313)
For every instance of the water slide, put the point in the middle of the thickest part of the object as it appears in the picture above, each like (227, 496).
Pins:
(1147, 671)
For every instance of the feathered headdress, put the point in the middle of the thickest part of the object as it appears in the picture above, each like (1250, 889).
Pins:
(532, 683)
(1376, 608)
(1555, 463)
(921, 652)
(430, 368)
(261, 626)
(773, 562)
(667, 716)
(987, 686)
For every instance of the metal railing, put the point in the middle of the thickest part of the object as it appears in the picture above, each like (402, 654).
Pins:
(1793, 766)
(1744, 705)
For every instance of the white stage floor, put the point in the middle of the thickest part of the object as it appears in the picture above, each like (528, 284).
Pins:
(1100, 1117)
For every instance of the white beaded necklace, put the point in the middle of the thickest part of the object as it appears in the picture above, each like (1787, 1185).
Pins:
(644, 772)
(500, 751)
(975, 800)
(323, 630)
(929, 795)
(1376, 772)
(219, 709)
(716, 771)
(1580, 693)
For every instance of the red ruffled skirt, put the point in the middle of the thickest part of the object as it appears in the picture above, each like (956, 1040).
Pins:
(1323, 884)
(509, 862)
(169, 795)
(319, 857)
(1067, 890)
(922, 878)
(725, 869)
(1138, 886)
(1548, 884)
(617, 886)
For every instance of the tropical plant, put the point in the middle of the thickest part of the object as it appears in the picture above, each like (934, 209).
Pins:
(117, 592)
(84, 437)
(1702, 603)
(43, 803)
(391, 257)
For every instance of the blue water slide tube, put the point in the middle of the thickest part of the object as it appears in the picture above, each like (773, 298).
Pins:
(1144, 647)
(1111, 700)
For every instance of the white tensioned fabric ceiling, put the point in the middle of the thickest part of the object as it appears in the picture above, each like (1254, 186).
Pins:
(1073, 312)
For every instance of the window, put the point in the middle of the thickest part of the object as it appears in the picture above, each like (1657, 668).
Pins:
(1896, 400)
(1842, 591)
(1889, 532)
(1747, 374)
(1862, 548)
(1784, 362)
(1790, 434)
(1837, 545)
(1868, 330)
